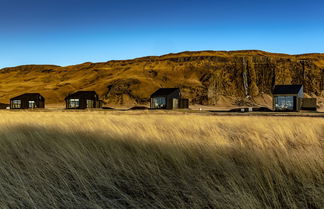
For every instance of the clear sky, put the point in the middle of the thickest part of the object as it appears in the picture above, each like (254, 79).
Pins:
(66, 32)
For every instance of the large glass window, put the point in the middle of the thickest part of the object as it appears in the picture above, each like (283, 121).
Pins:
(159, 102)
(74, 103)
(31, 104)
(284, 103)
(16, 104)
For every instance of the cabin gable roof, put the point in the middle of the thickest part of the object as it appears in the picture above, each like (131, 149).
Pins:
(287, 89)
(164, 92)
(29, 96)
(82, 95)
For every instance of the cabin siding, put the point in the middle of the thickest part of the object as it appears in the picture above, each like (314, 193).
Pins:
(39, 101)
(172, 97)
(83, 97)
(4, 106)
(309, 104)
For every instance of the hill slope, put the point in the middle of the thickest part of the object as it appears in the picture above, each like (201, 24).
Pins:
(205, 77)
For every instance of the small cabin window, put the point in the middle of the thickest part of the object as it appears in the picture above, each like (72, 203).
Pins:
(16, 103)
(74, 103)
(31, 104)
(90, 103)
(159, 102)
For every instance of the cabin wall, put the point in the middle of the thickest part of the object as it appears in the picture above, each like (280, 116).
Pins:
(301, 92)
(151, 103)
(40, 103)
(83, 104)
(169, 102)
(174, 95)
(97, 103)
(309, 104)
(4, 106)
(25, 103)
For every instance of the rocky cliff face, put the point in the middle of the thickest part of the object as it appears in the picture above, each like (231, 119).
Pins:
(204, 77)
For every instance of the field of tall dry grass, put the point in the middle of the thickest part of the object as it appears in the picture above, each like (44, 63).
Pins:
(131, 160)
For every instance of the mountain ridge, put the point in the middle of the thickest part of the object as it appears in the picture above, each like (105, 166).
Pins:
(174, 54)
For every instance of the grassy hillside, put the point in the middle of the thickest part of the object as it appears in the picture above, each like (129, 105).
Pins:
(129, 160)
(206, 77)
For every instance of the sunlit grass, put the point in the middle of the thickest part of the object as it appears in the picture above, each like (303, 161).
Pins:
(131, 160)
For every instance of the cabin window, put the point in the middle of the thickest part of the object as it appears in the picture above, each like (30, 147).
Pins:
(16, 103)
(175, 103)
(31, 104)
(90, 103)
(159, 102)
(284, 103)
(74, 103)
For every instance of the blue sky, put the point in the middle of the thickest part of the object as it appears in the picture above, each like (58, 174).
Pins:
(66, 32)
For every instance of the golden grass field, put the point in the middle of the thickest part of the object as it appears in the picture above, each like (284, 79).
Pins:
(145, 160)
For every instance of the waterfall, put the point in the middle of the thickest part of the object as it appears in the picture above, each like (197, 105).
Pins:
(245, 80)
(322, 81)
(212, 91)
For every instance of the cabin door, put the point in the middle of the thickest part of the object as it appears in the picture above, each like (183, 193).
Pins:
(89, 103)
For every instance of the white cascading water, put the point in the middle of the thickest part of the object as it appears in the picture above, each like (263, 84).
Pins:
(245, 81)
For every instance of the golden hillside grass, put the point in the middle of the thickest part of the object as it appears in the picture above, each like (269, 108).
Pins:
(104, 160)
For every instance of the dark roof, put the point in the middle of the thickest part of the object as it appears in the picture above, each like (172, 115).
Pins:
(34, 96)
(287, 89)
(164, 91)
(82, 94)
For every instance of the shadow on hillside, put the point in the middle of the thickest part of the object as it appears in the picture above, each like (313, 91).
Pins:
(77, 169)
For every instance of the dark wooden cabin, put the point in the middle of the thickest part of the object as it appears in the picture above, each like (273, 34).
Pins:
(27, 101)
(168, 98)
(4, 106)
(83, 100)
(309, 104)
(287, 97)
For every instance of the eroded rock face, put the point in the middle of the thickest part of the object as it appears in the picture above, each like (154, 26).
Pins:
(204, 77)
